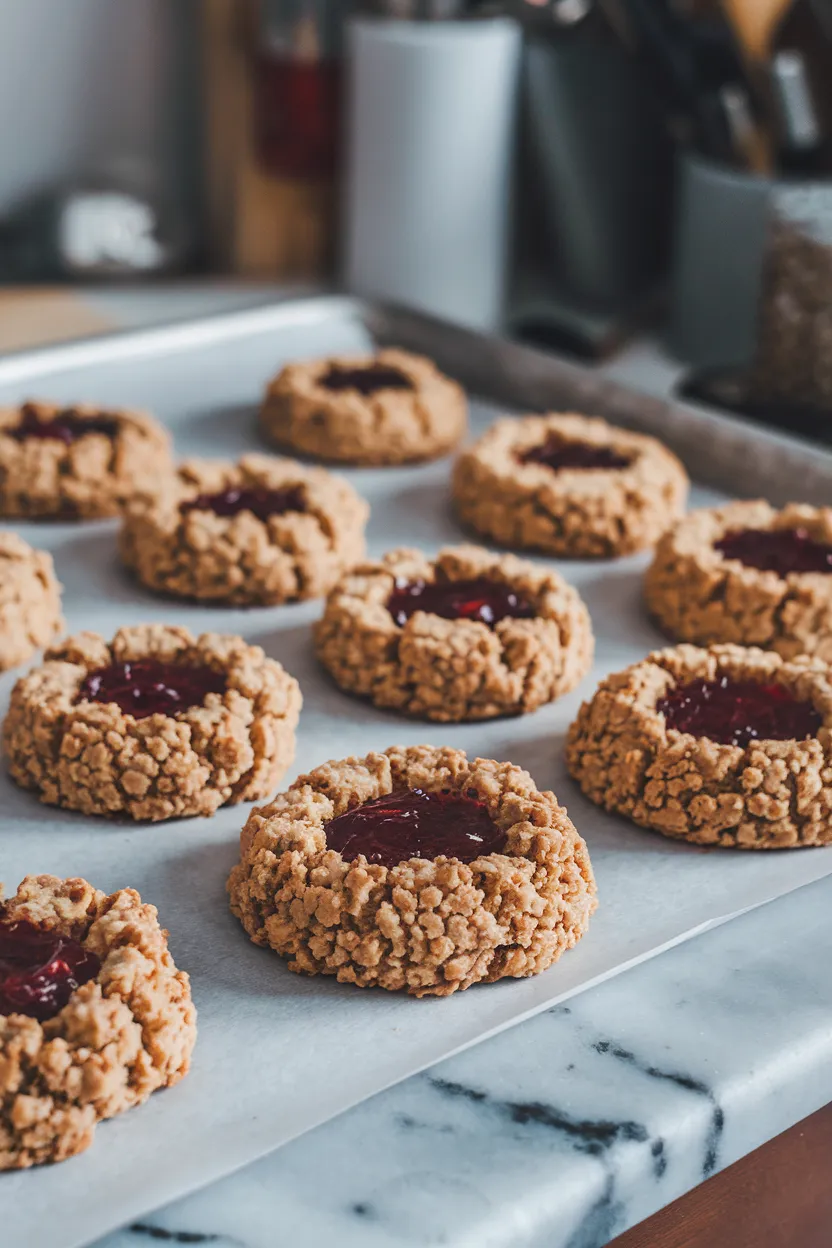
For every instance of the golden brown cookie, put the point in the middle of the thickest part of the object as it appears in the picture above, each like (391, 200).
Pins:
(749, 574)
(568, 485)
(76, 463)
(414, 869)
(725, 746)
(107, 1022)
(264, 530)
(388, 408)
(158, 724)
(468, 635)
(30, 600)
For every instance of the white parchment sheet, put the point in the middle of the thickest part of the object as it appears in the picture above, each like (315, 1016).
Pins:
(278, 1054)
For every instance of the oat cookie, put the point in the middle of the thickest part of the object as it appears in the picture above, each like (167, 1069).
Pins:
(30, 600)
(747, 573)
(568, 485)
(468, 635)
(76, 463)
(110, 1022)
(157, 724)
(724, 746)
(262, 531)
(388, 408)
(502, 887)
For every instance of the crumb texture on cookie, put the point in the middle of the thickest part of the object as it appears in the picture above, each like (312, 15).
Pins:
(454, 669)
(92, 477)
(572, 512)
(427, 927)
(95, 758)
(696, 594)
(763, 795)
(388, 426)
(30, 600)
(242, 559)
(120, 1037)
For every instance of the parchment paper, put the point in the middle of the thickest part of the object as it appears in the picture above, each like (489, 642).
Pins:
(278, 1054)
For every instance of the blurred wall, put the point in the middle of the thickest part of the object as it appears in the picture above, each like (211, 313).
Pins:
(83, 82)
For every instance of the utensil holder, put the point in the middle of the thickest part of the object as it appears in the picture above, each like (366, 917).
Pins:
(752, 289)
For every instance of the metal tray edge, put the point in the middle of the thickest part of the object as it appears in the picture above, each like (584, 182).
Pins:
(718, 448)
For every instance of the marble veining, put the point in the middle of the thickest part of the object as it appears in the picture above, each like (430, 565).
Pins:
(565, 1131)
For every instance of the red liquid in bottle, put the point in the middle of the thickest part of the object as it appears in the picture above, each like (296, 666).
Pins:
(296, 115)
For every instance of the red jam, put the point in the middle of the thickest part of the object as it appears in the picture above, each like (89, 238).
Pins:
(416, 824)
(147, 687)
(736, 712)
(776, 550)
(39, 970)
(261, 502)
(367, 380)
(557, 452)
(479, 599)
(66, 427)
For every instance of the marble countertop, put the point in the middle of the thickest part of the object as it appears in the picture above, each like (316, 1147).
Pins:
(579, 1123)
(568, 1129)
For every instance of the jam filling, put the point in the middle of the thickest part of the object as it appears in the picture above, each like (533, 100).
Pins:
(367, 380)
(556, 452)
(736, 712)
(261, 502)
(39, 971)
(776, 550)
(478, 599)
(66, 427)
(415, 824)
(147, 687)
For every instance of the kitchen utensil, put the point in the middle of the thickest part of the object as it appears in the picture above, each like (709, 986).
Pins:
(804, 39)
(755, 22)
(801, 139)
(698, 73)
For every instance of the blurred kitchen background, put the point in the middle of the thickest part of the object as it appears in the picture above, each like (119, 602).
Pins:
(583, 174)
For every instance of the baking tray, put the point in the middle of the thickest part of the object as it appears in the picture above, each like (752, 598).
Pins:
(278, 1054)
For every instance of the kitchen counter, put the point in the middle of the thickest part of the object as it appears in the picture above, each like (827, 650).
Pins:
(568, 1129)
(581, 1122)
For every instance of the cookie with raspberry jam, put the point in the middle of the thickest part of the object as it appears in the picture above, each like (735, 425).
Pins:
(389, 408)
(417, 870)
(568, 485)
(747, 573)
(77, 463)
(262, 531)
(30, 600)
(94, 1015)
(725, 746)
(156, 724)
(468, 635)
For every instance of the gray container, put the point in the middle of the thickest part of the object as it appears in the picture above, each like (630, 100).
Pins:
(721, 229)
(752, 288)
(597, 168)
